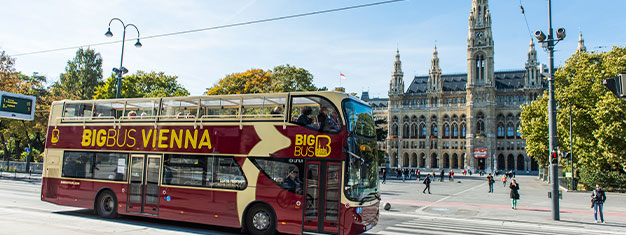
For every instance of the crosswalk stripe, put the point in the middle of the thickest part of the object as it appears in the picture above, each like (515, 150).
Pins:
(495, 227)
(469, 227)
(439, 226)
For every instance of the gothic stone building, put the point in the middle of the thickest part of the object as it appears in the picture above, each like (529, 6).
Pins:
(469, 120)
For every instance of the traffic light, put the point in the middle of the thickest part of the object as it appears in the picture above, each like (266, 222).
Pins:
(555, 158)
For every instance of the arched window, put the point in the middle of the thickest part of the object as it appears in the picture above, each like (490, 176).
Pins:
(500, 130)
(463, 130)
(413, 130)
(509, 130)
(394, 130)
(480, 127)
(519, 135)
(433, 130)
(422, 130)
(405, 131)
(446, 130)
(480, 68)
(455, 131)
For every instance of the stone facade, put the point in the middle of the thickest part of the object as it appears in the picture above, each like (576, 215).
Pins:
(467, 120)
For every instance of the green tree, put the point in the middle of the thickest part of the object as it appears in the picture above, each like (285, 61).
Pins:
(15, 135)
(283, 78)
(142, 84)
(534, 129)
(597, 117)
(290, 78)
(82, 75)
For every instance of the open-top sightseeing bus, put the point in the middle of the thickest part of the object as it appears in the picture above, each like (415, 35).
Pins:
(299, 162)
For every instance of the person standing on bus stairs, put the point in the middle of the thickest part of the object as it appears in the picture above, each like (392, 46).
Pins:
(427, 183)
(292, 182)
(503, 180)
(304, 118)
(514, 194)
(490, 181)
(384, 175)
(597, 199)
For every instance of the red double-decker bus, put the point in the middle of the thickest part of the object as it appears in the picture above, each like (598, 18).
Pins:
(289, 162)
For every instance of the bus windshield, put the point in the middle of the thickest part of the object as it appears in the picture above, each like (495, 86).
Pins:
(361, 165)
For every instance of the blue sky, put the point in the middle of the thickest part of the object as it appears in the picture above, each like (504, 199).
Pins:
(359, 43)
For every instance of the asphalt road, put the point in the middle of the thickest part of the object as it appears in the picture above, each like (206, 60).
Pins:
(460, 207)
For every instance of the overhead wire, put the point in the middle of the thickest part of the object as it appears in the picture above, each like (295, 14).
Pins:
(525, 19)
(218, 27)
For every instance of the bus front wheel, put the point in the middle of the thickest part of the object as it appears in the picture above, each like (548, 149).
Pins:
(106, 205)
(261, 220)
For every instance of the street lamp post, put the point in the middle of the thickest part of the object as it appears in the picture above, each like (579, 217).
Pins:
(121, 70)
(549, 44)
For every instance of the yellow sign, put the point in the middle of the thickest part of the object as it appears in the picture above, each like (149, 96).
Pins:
(312, 146)
(55, 136)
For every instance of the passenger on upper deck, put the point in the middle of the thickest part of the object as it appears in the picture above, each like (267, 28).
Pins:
(322, 119)
(304, 118)
(335, 124)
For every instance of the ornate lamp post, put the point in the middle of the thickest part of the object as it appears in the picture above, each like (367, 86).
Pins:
(121, 70)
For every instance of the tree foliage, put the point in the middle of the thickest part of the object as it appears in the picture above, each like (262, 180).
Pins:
(598, 121)
(16, 135)
(82, 75)
(282, 78)
(141, 84)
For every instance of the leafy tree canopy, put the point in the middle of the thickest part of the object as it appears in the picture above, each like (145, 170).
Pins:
(598, 121)
(82, 75)
(142, 84)
(282, 78)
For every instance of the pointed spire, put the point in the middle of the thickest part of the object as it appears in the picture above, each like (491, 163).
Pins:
(397, 65)
(581, 43)
(532, 54)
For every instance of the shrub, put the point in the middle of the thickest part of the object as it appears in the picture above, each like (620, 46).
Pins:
(609, 180)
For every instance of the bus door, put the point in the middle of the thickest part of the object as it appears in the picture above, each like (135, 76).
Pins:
(143, 188)
(322, 188)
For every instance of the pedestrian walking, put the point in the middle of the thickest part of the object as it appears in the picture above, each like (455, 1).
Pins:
(597, 201)
(427, 183)
(384, 175)
(513, 173)
(470, 172)
(503, 180)
(451, 175)
(403, 172)
(464, 172)
(490, 181)
(514, 194)
(419, 174)
(441, 175)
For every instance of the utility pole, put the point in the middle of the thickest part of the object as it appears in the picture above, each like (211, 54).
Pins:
(554, 160)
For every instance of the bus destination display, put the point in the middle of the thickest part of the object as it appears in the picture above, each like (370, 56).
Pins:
(16, 105)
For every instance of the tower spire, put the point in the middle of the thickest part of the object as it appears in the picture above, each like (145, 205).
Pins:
(396, 86)
(434, 78)
(581, 43)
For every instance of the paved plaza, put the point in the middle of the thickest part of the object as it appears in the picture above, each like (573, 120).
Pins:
(465, 207)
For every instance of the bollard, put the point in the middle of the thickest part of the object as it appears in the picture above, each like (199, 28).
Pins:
(387, 206)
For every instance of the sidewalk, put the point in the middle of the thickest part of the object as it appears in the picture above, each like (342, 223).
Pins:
(468, 199)
(24, 177)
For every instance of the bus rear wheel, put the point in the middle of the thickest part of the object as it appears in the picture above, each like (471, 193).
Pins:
(106, 205)
(261, 220)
